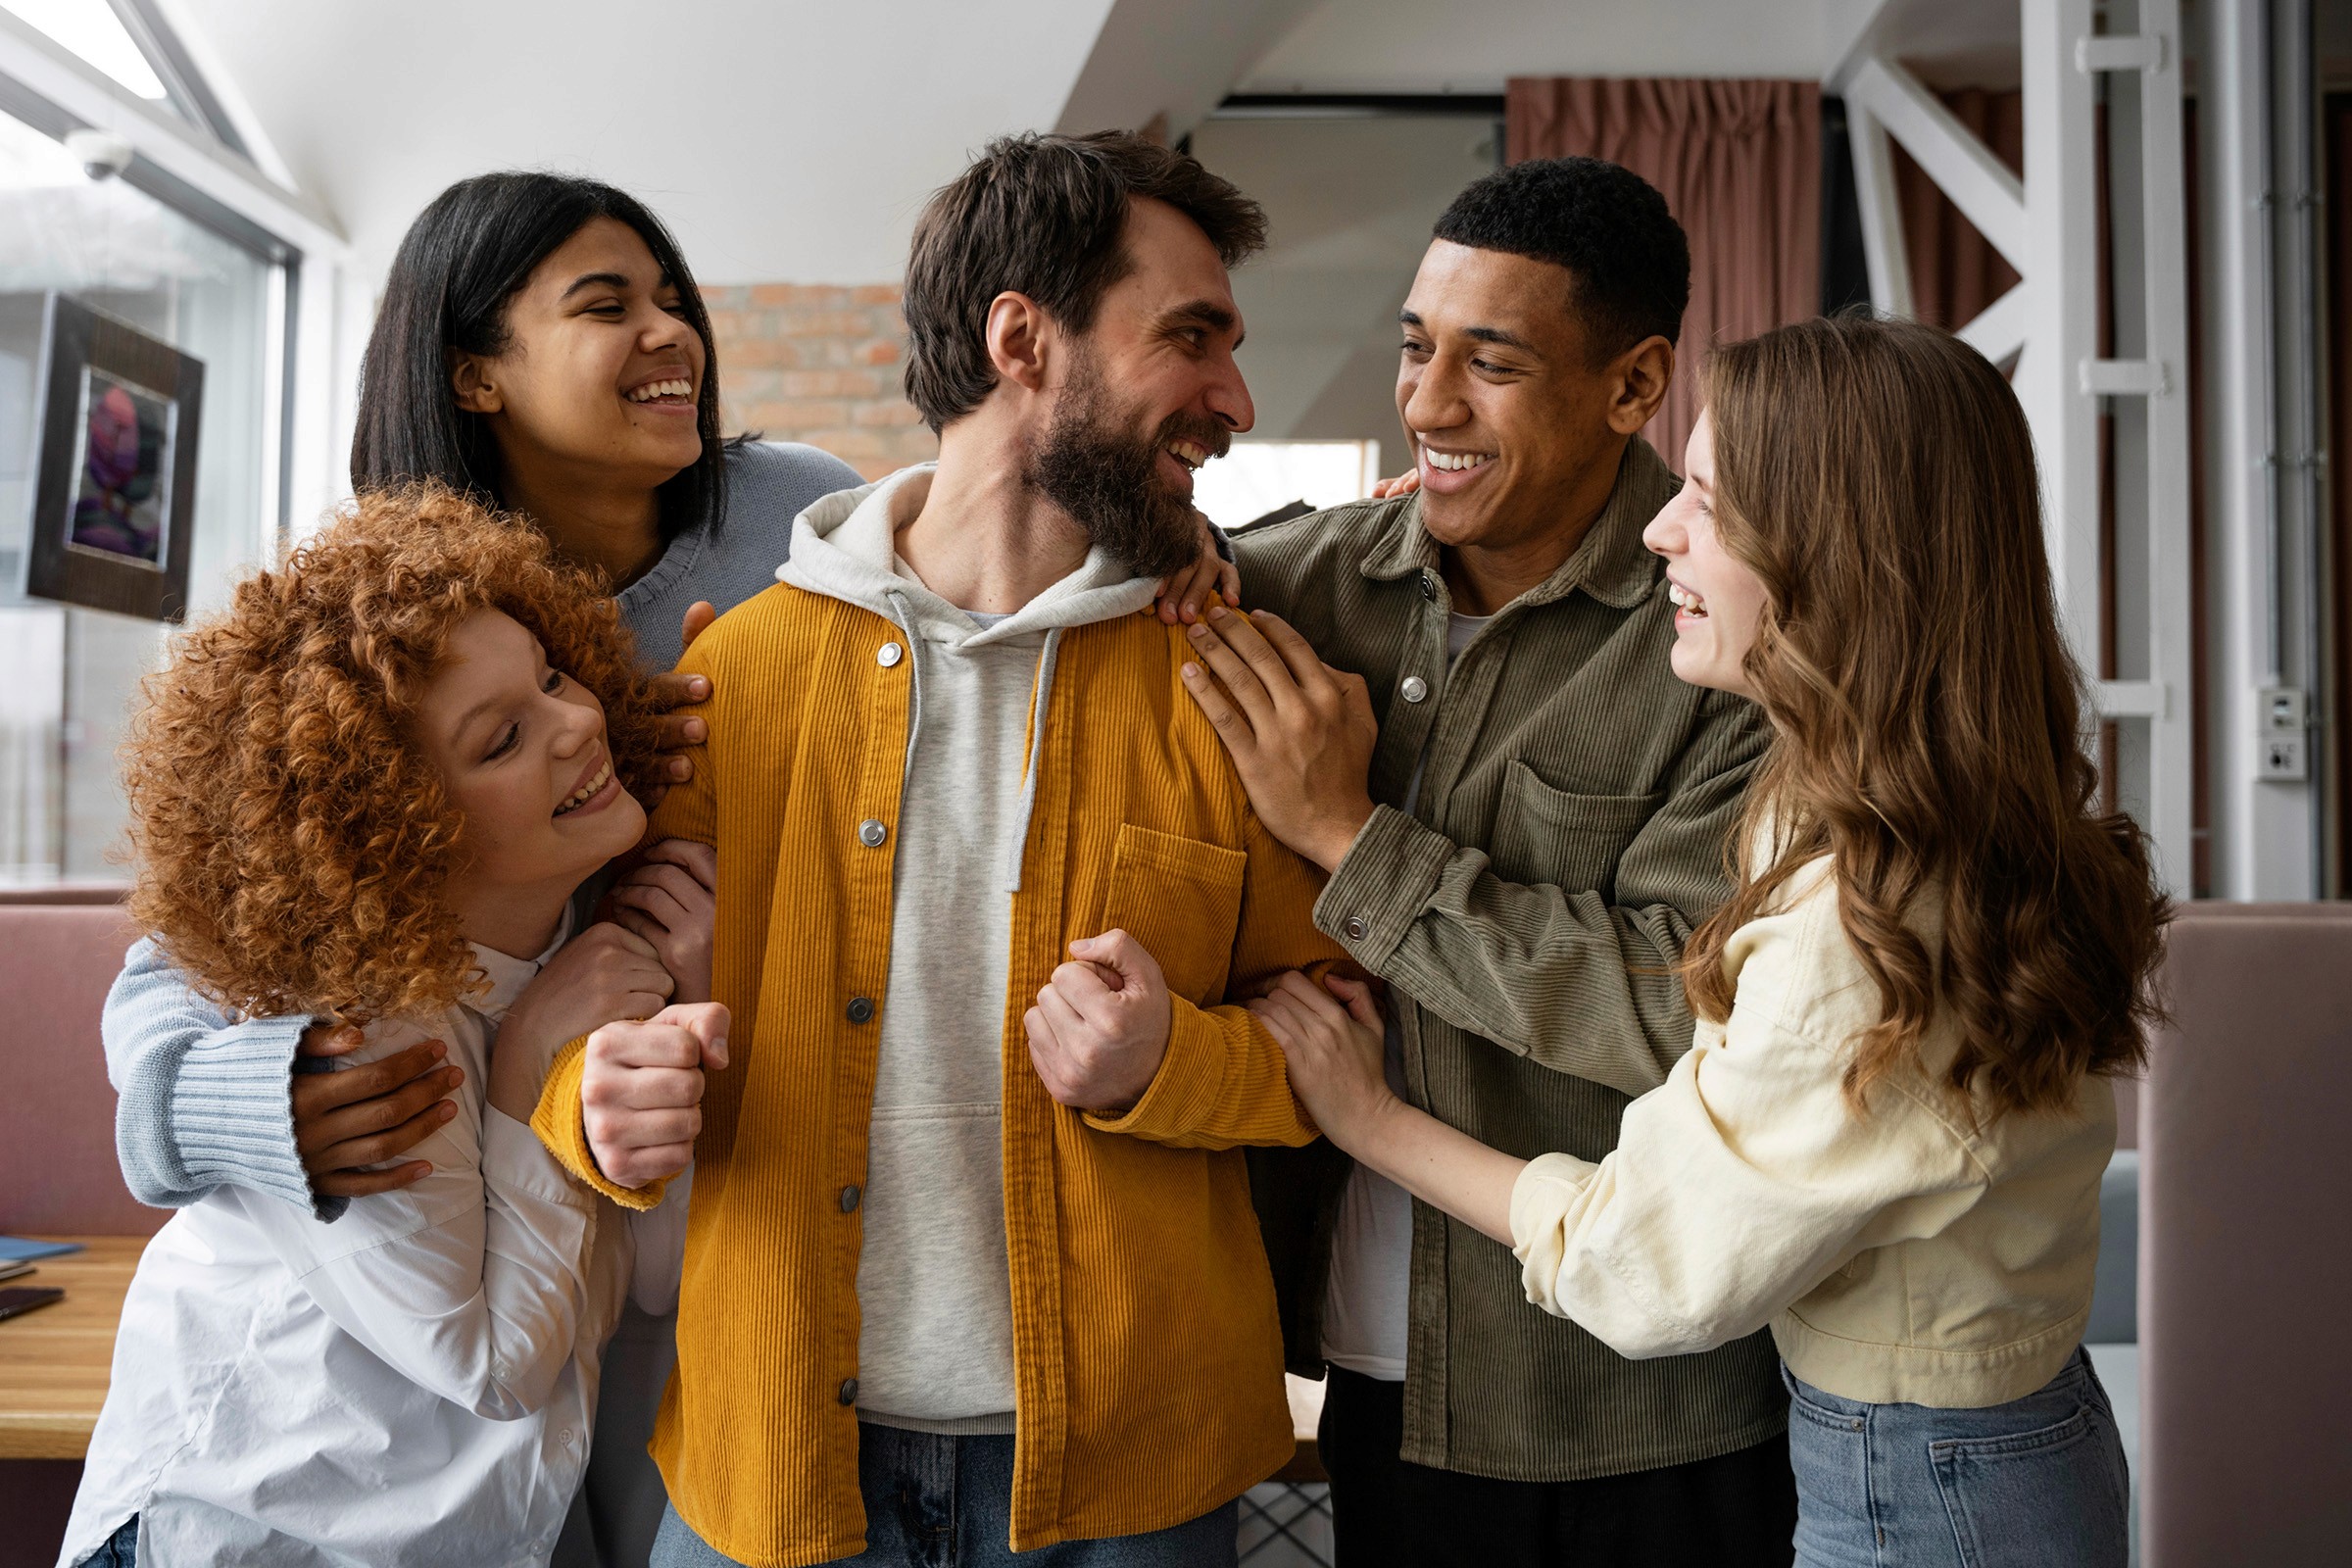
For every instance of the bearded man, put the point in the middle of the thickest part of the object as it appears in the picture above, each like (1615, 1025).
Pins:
(977, 848)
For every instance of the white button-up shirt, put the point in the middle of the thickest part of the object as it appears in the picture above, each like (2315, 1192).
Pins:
(413, 1383)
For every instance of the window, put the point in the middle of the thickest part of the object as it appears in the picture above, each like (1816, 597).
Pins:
(1257, 477)
(73, 674)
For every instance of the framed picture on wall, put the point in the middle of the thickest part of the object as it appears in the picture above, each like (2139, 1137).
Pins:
(114, 496)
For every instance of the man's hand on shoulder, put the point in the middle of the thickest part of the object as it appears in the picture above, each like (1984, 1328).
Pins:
(1301, 733)
(641, 1090)
(1101, 1025)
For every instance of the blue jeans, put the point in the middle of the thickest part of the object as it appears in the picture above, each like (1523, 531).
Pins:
(946, 1502)
(120, 1551)
(2039, 1481)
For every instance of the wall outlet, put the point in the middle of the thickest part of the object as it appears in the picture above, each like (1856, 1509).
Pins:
(2283, 751)
(2284, 757)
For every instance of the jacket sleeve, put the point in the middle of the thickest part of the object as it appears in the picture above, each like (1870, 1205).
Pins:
(1563, 976)
(471, 1283)
(689, 811)
(1223, 1082)
(202, 1101)
(1736, 1187)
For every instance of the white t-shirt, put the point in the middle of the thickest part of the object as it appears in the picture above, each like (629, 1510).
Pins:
(1366, 1300)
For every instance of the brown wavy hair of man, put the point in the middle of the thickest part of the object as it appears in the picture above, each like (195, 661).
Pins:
(293, 845)
(1879, 477)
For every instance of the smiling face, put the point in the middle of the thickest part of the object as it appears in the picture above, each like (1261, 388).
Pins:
(1718, 599)
(521, 751)
(1145, 395)
(1512, 424)
(601, 369)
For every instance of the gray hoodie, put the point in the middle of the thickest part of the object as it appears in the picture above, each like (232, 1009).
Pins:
(934, 1290)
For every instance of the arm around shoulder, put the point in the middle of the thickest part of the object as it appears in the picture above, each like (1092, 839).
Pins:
(205, 1102)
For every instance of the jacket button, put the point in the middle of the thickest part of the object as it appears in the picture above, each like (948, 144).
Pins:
(849, 1198)
(1356, 928)
(1413, 688)
(862, 1010)
(889, 655)
(871, 833)
(1429, 584)
(849, 1391)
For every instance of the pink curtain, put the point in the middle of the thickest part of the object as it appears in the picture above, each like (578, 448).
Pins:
(1740, 166)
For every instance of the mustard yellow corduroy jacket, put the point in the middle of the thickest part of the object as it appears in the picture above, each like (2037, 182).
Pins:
(1146, 1355)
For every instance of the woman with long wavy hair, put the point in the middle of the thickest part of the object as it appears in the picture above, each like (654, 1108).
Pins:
(1886, 1139)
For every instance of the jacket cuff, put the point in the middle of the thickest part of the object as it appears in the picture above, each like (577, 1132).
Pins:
(1381, 884)
(233, 1114)
(557, 1121)
(1185, 1089)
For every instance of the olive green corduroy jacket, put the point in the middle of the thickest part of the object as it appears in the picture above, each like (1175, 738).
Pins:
(1575, 805)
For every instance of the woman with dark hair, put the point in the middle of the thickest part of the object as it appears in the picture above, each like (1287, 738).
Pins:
(542, 347)
(1886, 1139)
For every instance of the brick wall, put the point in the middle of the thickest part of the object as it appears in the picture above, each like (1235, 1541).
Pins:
(819, 363)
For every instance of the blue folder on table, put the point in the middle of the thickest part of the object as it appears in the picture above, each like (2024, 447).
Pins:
(16, 1249)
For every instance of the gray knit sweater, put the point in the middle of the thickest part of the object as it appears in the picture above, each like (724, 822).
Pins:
(206, 1103)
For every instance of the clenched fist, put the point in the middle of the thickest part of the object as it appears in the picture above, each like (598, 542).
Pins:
(641, 1090)
(1101, 1025)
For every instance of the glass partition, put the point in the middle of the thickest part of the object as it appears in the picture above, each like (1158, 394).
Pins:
(68, 676)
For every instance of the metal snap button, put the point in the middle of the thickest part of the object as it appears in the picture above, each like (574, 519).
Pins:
(1356, 928)
(849, 1198)
(1413, 688)
(849, 1391)
(871, 833)
(889, 655)
(862, 1010)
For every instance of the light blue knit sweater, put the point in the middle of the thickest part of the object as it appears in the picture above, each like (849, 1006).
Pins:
(205, 1103)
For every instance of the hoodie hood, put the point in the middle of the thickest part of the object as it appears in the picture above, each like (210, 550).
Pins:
(845, 548)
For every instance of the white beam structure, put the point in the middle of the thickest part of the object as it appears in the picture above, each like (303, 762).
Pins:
(2047, 226)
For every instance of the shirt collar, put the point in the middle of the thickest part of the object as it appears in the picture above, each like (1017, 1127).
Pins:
(505, 975)
(1609, 563)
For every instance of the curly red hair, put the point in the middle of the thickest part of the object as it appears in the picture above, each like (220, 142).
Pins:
(294, 846)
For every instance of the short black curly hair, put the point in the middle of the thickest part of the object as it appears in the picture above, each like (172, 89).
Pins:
(1607, 225)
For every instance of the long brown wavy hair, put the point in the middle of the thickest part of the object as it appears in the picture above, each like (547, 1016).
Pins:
(293, 844)
(1879, 477)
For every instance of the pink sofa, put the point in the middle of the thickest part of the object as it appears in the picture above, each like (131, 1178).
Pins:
(2245, 1261)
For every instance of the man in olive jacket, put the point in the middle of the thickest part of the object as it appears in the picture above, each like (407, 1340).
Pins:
(1524, 814)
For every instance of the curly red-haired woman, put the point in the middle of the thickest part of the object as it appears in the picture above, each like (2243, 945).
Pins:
(367, 791)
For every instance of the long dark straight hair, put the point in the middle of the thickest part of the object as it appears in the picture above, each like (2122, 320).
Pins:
(459, 266)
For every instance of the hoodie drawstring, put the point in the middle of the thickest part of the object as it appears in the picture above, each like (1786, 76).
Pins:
(1037, 753)
(914, 677)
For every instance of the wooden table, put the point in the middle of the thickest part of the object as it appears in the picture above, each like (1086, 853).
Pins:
(55, 1360)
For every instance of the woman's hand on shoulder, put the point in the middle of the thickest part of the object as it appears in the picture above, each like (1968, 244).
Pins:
(676, 736)
(1183, 593)
(603, 975)
(670, 898)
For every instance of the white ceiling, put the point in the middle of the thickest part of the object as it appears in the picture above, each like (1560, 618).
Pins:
(781, 139)
(791, 140)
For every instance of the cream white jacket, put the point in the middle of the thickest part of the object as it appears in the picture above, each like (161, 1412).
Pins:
(1916, 1252)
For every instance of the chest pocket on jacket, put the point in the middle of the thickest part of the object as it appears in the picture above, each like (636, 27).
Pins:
(1571, 840)
(1182, 900)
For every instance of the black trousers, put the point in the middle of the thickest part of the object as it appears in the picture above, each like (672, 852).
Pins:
(1737, 1510)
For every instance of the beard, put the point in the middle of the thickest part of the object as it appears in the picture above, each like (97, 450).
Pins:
(1092, 465)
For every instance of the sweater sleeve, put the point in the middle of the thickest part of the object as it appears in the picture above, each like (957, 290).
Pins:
(202, 1101)
(1743, 1182)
